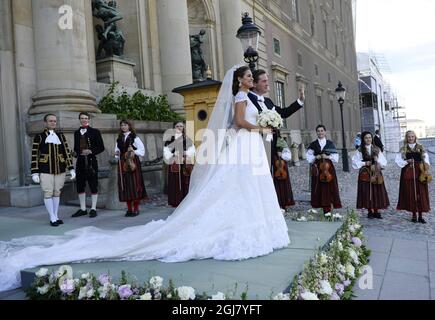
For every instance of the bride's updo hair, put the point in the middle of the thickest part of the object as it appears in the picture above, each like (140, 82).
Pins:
(239, 73)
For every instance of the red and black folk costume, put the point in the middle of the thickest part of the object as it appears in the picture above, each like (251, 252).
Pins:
(324, 185)
(372, 194)
(281, 176)
(413, 191)
(131, 185)
(179, 154)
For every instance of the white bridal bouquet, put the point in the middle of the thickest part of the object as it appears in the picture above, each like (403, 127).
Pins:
(270, 118)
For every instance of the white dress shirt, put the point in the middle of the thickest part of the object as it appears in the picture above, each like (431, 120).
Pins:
(140, 148)
(402, 162)
(263, 106)
(358, 161)
(52, 138)
(311, 157)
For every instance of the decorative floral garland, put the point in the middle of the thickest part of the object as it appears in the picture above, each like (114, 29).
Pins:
(330, 275)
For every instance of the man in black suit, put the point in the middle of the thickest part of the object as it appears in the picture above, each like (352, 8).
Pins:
(261, 87)
(377, 140)
(88, 143)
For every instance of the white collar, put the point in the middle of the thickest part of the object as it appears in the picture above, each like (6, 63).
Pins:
(323, 140)
(259, 97)
(412, 145)
(177, 135)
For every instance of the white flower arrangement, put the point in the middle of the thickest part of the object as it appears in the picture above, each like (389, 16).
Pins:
(282, 296)
(330, 274)
(146, 296)
(42, 272)
(325, 288)
(218, 296)
(270, 118)
(186, 293)
(309, 296)
(156, 282)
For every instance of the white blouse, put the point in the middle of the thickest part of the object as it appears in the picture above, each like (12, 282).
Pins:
(138, 144)
(358, 162)
(402, 162)
(286, 155)
(311, 157)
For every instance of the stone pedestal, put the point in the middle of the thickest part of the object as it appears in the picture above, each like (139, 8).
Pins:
(112, 69)
(112, 202)
(22, 197)
(295, 156)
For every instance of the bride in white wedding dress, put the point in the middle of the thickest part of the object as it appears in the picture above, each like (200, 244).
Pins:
(230, 213)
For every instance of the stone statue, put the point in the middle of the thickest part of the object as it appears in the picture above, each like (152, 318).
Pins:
(111, 38)
(198, 64)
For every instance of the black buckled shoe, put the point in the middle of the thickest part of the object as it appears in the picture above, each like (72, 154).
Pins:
(370, 215)
(54, 224)
(421, 220)
(414, 220)
(378, 216)
(80, 213)
(129, 214)
(92, 213)
(135, 214)
(59, 222)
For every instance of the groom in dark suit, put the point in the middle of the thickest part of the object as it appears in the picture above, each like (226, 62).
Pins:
(261, 87)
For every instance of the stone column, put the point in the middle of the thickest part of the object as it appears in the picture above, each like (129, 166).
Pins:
(10, 157)
(231, 21)
(174, 49)
(62, 66)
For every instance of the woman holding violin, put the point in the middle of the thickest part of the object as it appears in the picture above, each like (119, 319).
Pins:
(131, 187)
(281, 177)
(370, 161)
(414, 178)
(321, 154)
(179, 153)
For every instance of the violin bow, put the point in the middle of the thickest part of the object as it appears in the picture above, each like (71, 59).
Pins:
(415, 185)
(120, 173)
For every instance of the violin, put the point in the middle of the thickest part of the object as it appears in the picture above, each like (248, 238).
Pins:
(425, 176)
(129, 165)
(325, 173)
(376, 176)
(280, 170)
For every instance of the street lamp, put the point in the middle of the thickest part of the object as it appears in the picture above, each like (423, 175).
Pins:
(249, 35)
(340, 94)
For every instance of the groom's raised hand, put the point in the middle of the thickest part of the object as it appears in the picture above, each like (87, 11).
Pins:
(302, 93)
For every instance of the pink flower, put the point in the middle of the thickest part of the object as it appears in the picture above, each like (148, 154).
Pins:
(125, 291)
(103, 279)
(67, 286)
(339, 287)
(357, 242)
(347, 283)
(335, 296)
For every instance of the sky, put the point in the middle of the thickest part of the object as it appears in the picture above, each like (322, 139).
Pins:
(404, 32)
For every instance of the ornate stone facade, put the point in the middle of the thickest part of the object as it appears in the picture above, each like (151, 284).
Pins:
(45, 66)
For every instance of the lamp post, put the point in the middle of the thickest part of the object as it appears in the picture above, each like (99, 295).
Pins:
(340, 93)
(249, 34)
